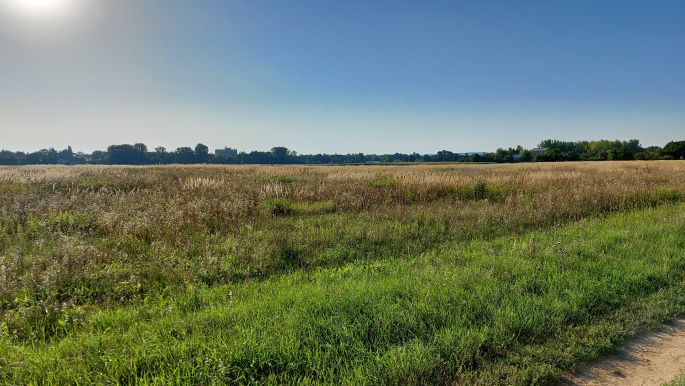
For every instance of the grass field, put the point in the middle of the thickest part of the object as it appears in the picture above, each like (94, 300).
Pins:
(434, 274)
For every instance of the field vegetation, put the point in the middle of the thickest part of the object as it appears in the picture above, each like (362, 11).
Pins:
(433, 274)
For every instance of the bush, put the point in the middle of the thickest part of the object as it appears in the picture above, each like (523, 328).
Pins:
(480, 190)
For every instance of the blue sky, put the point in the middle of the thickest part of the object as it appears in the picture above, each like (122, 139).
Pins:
(341, 76)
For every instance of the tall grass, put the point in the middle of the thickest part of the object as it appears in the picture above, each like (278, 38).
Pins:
(512, 310)
(78, 241)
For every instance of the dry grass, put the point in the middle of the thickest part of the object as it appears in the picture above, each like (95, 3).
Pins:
(71, 236)
(77, 242)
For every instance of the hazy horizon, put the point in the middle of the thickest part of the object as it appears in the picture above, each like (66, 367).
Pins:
(339, 77)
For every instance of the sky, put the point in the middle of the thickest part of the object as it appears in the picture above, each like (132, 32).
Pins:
(339, 76)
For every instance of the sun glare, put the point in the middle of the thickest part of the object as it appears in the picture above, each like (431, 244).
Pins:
(42, 8)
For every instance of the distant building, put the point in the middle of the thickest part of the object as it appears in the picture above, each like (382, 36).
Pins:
(226, 152)
(539, 151)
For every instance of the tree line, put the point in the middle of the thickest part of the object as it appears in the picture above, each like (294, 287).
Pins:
(547, 151)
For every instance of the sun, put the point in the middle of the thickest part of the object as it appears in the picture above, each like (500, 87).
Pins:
(42, 8)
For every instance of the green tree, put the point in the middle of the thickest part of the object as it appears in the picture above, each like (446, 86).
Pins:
(126, 155)
(650, 153)
(185, 155)
(675, 149)
(140, 147)
(201, 153)
(280, 154)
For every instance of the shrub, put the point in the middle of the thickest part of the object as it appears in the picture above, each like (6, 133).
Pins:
(480, 190)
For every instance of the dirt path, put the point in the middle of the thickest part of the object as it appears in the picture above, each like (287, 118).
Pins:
(649, 359)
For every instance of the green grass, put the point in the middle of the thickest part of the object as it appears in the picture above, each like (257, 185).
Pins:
(516, 309)
(433, 275)
(384, 182)
(13, 187)
(284, 207)
(679, 380)
(68, 259)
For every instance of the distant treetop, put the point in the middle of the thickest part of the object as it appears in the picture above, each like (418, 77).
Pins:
(548, 150)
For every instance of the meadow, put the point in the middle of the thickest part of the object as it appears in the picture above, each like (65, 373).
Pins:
(406, 274)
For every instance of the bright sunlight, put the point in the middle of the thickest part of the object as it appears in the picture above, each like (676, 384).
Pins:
(43, 8)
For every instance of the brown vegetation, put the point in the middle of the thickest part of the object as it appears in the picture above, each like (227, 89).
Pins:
(71, 236)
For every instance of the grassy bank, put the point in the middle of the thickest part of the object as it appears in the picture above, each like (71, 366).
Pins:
(514, 309)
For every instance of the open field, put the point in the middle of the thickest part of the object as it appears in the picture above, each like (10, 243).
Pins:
(432, 274)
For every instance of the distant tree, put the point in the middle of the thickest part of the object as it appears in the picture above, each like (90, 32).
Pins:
(554, 150)
(444, 156)
(10, 158)
(502, 155)
(280, 153)
(140, 147)
(631, 148)
(66, 156)
(43, 157)
(160, 156)
(127, 154)
(201, 153)
(590, 150)
(184, 155)
(98, 157)
(525, 155)
(650, 153)
(675, 149)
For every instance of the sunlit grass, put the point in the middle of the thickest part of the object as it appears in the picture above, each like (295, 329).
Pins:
(370, 274)
(514, 310)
